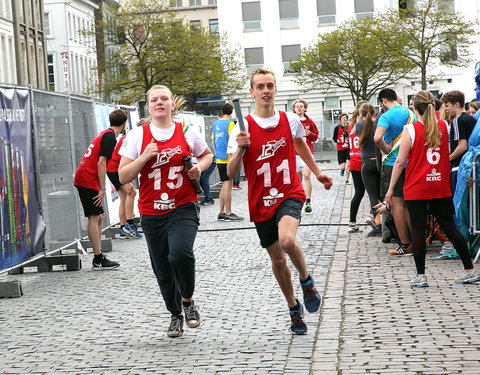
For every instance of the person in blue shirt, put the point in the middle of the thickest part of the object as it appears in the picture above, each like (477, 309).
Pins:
(387, 138)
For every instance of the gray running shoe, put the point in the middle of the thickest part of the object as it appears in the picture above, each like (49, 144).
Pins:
(233, 217)
(468, 277)
(221, 217)
(176, 326)
(419, 281)
(371, 221)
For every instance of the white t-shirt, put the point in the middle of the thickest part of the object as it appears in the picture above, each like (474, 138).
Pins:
(298, 131)
(132, 144)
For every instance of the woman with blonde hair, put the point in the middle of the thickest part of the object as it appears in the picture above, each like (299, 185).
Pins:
(427, 182)
(168, 200)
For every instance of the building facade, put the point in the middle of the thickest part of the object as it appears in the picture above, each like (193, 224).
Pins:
(71, 47)
(272, 33)
(198, 13)
(22, 43)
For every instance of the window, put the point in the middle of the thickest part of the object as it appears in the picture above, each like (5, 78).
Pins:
(51, 72)
(326, 12)
(363, 8)
(252, 16)
(253, 58)
(446, 5)
(448, 50)
(288, 14)
(332, 102)
(289, 55)
(176, 3)
(196, 25)
(46, 24)
(195, 2)
(212, 1)
(213, 26)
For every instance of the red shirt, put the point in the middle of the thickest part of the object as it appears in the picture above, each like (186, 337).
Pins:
(164, 183)
(355, 154)
(308, 124)
(87, 171)
(270, 168)
(114, 161)
(342, 142)
(428, 169)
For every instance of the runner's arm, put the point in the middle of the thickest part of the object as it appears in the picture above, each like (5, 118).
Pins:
(405, 147)
(379, 142)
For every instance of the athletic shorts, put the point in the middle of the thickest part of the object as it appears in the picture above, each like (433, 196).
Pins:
(222, 171)
(268, 230)
(114, 179)
(385, 177)
(86, 197)
(343, 156)
(300, 163)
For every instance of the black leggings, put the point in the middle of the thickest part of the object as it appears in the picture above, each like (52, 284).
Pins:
(359, 193)
(371, 180)
(443, 210)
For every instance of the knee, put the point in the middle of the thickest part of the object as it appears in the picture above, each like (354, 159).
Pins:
(288, 243)
(180, 257)
(279, 262)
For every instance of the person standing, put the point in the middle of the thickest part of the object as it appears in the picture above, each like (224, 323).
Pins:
(275, 193)
(427, 183)
(387, 139)
(340, 137)
(221, 134)
(90, 181)
(205, 184)
(168, 203)
(311, 135)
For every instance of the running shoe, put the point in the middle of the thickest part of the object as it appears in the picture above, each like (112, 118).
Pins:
(207, 203)
(236, 187)
(298, 325)
(192, 317)
(311, 297)
(371, 221)
(447, 248)
(419, 281)
(104, 264)
(132, 230)
(353, 228)
(377, 232)
(342, 172)
(233, 217)
(308, 207)
(176, 326)
(402, 250)
(347, 182)
(221, 217)
(468, 277)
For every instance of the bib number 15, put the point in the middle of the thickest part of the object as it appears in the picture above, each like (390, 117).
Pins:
(267, 173)
(174, 176)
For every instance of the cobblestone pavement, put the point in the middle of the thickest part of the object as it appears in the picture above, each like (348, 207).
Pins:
(371, 321)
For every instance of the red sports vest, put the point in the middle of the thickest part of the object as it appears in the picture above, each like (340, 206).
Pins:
(308, 124)
(342, 142)
(270, 168)
(87, 171)
(428, 170)
(355, 154)
(114, 161)
(164, 183)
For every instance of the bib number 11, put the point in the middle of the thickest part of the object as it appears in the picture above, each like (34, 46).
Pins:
(265, 169)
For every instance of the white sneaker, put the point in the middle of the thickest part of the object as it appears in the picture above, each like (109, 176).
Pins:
(353, 228)
(468, 277)
(419, 281)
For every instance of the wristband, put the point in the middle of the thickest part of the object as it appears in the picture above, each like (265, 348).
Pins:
(103, 187)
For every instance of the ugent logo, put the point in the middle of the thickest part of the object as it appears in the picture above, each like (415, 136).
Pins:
(268, 150)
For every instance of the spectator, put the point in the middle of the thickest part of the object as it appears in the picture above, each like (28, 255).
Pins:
(340, 137)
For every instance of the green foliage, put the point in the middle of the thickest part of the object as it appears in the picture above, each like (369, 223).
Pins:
(432, 34)
(159, 48)
(353, 58)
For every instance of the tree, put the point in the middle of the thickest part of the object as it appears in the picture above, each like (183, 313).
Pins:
(159, 48)
(431, 33)
(353, 58)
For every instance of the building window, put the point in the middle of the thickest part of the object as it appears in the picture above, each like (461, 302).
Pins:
(288, 14)
(252, 16)
(290, 54)
(213, 26)
(176, 3)
(46, 24)
(363, 8)
(253, 58)
(51, 72)
(326, 12)
(196, 25)
(212, 1)
(332, 102)
(195, 2)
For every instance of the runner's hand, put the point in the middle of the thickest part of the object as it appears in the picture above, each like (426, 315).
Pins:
(98, 200)
(326, 180)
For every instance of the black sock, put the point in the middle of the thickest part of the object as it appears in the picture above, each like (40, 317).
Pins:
(308, 200)
(186, 304)
(98, 256)
(405, 245)
(130, 222)
(122, 226)
(294, 308)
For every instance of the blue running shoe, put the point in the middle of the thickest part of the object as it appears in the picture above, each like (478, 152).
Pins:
(298, 325)
(311, 297)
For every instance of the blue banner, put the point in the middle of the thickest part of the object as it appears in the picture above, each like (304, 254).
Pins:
(22, 229)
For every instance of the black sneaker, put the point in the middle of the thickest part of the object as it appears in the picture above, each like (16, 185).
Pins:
(104, 264)
(207, 203)
(192, 317)
(233, 217)
(377, 232)
(298, 325)
(311, 297)
(176, 326)
(221, 217)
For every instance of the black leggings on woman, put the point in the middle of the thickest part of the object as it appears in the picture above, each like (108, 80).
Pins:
(443, 210)
(371, 180)
(359, 193)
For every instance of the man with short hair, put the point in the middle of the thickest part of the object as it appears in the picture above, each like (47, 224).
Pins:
(387, 138)
(90, 181)
(221, 134)
(460, 131)
(268, 149)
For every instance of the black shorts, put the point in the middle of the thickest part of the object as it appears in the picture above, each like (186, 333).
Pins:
(343, 155)
(385, 176)
(114, 179)
(86, 197)
(222, 171)
(268, 230)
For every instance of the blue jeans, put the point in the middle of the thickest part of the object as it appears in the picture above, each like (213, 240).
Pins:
(205, 181)
(170, 239)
